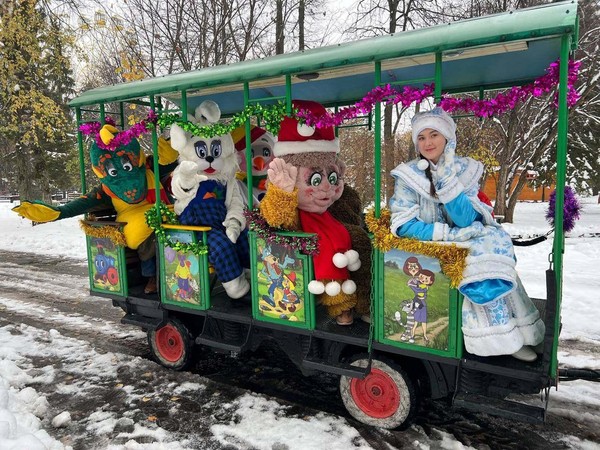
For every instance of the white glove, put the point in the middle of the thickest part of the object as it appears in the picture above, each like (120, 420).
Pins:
(456, 234)
(232, 229)
(443, 173)
(186, 179)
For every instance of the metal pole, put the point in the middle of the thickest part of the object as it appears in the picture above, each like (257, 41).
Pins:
(377, 144)
(248, 150)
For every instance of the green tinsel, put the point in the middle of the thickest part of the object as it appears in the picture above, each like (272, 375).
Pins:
(271, 116)
(168, 216)
(308, 245)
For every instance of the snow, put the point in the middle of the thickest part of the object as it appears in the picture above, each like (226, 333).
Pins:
(21, 406)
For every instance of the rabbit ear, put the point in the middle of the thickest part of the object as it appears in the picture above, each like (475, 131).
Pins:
(178, 137)
(208, 112)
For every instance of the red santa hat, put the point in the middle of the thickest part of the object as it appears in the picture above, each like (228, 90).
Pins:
(296, 138)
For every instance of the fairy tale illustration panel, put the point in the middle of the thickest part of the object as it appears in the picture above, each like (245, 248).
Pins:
(279, 284)
(417, 305)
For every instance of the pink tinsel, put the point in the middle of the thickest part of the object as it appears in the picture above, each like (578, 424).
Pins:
(123, 137)
(501, 103)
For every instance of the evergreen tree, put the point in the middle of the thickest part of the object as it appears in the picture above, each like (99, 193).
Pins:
(35, 80)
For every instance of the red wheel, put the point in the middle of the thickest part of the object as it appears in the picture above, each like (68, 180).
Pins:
(112, 275)
(172, 345)
(385, 398)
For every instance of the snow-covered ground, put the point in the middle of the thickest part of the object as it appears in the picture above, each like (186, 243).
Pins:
(22, 407)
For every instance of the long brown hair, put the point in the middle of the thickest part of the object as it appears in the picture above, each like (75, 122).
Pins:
(432, 190)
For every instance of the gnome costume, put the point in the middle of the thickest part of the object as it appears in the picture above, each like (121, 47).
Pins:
(304, 181)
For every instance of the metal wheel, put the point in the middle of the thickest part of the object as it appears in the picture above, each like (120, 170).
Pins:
(385, 398)
(172, 345)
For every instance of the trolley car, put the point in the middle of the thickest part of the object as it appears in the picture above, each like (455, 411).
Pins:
(382, 374)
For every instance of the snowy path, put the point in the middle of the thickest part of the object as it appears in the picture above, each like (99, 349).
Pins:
(73, 351)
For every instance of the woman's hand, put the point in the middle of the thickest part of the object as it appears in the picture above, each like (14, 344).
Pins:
(282, 174)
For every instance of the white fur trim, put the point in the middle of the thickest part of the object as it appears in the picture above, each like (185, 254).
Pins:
(333, 288)
(486, 267)
(440, 231)
(316, 287)
(282, 148)
(490, 341)
(416, 179)
(305, 130)
(340, 260)
(400, 218)
(349, 287)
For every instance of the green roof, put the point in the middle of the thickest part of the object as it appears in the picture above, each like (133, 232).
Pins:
(499, 50)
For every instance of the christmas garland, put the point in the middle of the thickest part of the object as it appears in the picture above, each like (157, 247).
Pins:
(305, 244)
(452, 258)
(110, 232)
(123, 137)
(168, 216)
(271, 116)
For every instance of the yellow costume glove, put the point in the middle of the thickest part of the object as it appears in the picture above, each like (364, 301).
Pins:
(38, 212)
(166, 153)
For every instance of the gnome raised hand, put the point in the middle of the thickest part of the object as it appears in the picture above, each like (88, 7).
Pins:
(304, 181)
(207, 193)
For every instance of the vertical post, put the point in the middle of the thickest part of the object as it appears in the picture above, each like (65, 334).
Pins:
(155, 164)
(184, 106)
(122, 113)
(248, 150)
(438, 77)
(288, 94)
(558, 246)
(102, 114)
(80, 148)
(377, 144)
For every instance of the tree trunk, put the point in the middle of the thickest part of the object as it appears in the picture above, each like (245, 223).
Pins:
(279, 26)
(301, 6)
(388, 151)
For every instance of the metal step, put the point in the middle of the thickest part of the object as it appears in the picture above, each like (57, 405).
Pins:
(500, 407)
(337, 368)
(220, 344)
(147, 323)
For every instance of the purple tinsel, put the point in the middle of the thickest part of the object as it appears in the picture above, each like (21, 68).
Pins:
(122, 138)
(501, 103)
(571, 209)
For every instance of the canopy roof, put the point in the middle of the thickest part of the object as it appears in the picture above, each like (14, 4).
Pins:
(493, 51)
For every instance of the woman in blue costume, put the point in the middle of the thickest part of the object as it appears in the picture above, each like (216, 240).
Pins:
(435, 199)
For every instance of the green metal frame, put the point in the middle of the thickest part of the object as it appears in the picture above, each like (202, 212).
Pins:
(203, 277)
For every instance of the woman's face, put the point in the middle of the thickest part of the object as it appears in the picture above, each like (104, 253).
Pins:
(431, 144)
(318, 187)
(413, 268)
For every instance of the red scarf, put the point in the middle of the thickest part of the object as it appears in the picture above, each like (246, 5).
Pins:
(333, 238)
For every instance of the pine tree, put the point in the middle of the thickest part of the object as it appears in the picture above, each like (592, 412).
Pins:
(35, 79)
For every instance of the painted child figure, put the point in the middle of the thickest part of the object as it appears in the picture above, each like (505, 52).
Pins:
(262, 143)
(304, 181)
(435, 199)
(207, 193)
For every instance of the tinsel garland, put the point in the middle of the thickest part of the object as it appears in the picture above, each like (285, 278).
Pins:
(123, 137)
(168, 216)
(112, 233)
(480, 108)
(571, 209)
(308, 245)
(271, 116)
(452, 258)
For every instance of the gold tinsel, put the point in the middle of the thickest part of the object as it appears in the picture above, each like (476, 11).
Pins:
(106, 232)
(452, 258)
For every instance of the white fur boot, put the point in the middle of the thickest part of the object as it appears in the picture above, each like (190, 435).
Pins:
(238, 287)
